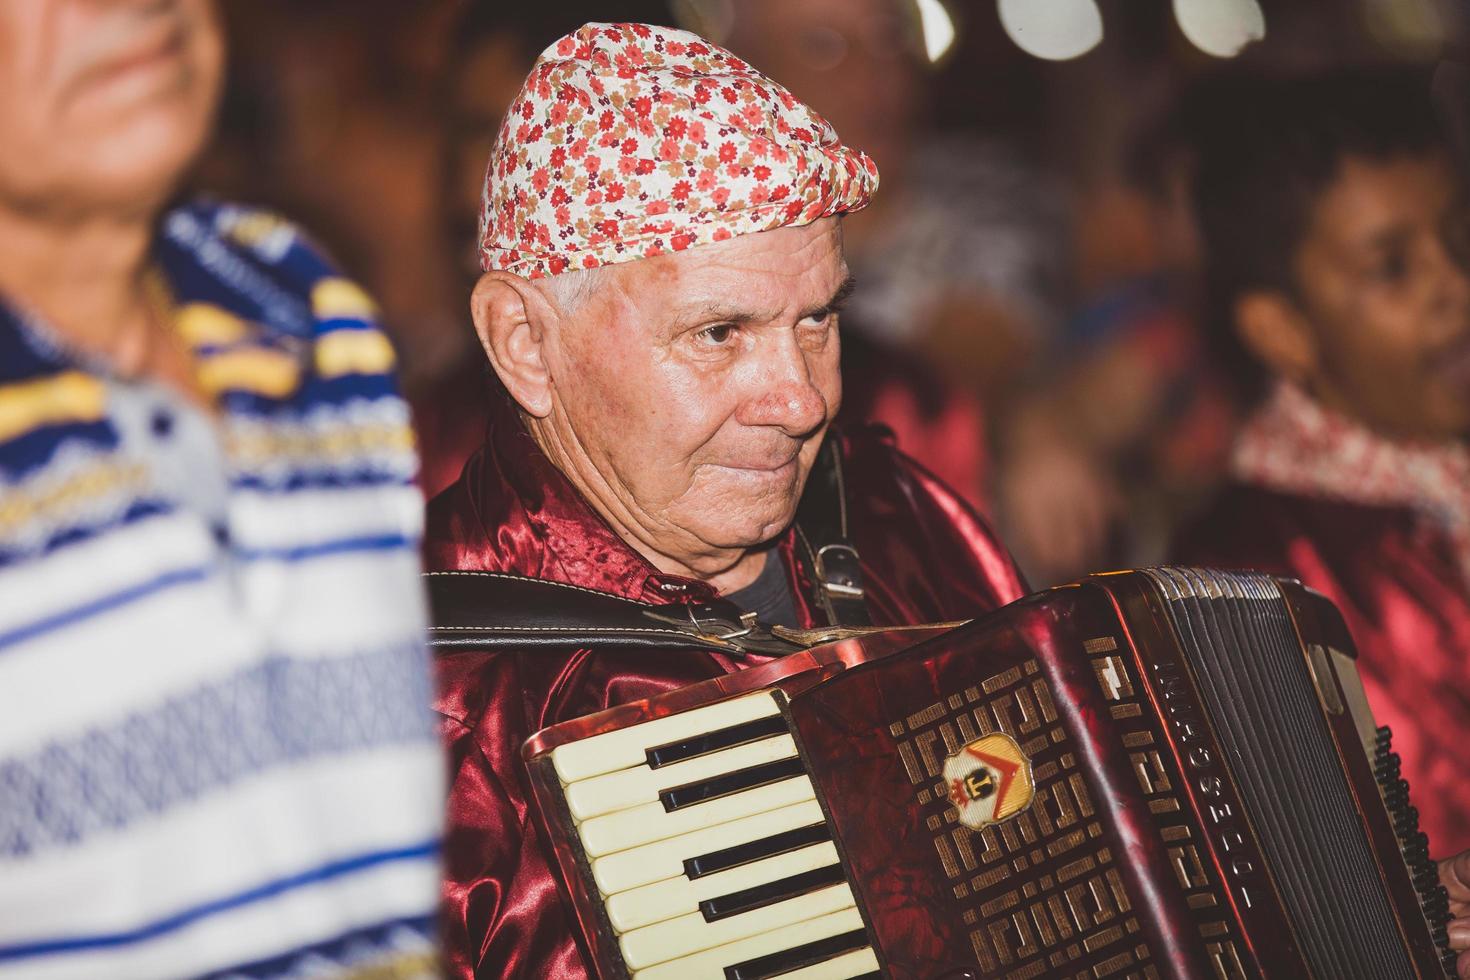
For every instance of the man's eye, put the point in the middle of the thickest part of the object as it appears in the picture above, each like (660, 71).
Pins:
(718, 335)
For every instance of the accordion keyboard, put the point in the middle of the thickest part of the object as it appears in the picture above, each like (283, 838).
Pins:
(709, 850)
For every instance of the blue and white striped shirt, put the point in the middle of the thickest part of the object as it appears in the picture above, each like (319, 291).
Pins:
(216, 751)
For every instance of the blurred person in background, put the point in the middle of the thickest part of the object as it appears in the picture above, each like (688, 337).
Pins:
(1335, 227)
(1129, 426)
(1125, 426)
(216, 753)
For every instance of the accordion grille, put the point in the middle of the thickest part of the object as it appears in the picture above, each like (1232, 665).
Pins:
(1246, 659)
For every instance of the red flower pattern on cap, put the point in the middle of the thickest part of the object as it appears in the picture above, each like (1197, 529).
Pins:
(628, 141)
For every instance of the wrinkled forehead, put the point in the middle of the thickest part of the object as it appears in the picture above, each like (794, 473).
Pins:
(760, 276)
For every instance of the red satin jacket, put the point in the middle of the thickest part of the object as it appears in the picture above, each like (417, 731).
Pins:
(1397, 583)
(926, 557)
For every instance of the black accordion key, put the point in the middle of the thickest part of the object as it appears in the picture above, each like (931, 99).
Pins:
(758, 896)
(765, 967)
(724, 738)
(736, 782)
(733, 857)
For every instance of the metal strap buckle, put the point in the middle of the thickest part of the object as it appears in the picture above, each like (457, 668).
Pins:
(839, 570)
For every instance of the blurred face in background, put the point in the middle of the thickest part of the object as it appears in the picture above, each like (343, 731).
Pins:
(854, 61)
(103, 103)
(1383, 286)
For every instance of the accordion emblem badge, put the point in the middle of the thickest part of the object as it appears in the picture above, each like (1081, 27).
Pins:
(989, 780)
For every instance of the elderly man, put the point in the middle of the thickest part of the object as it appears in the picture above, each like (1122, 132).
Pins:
(662, 243)
(663, 248)
(215, 750)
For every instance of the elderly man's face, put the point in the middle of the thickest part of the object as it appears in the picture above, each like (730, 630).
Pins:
(103, 102)
(691, 393)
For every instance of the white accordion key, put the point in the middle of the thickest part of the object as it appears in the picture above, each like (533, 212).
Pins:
(679, 895)
(639, 785)
(858, 963)
(665, 859)
(626, 747)
(776, 953)
(690, 934)
(651, 822)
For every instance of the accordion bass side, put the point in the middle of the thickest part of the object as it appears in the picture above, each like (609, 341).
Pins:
(1163, 773)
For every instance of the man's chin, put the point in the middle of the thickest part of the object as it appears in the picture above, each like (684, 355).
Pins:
(749, 533)
(745, 508)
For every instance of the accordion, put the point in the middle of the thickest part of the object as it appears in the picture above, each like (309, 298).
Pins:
(1161, 773)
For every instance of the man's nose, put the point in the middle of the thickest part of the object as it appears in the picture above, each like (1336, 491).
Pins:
(784, 393)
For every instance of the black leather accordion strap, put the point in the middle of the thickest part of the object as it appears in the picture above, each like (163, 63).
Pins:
(824, 545)
(498, 611)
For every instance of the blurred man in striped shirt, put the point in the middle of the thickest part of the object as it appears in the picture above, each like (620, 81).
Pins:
(216, 756)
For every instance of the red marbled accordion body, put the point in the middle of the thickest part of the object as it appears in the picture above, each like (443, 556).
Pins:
(1139, 855)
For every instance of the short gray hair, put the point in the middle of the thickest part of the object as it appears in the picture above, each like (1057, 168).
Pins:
(570, 289)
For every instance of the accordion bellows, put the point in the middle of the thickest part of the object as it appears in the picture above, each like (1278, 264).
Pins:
(1166, 773)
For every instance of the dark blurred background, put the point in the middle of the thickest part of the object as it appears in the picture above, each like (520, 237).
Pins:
(1028, 310)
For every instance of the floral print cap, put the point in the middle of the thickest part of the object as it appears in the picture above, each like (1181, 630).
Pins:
(629, 141)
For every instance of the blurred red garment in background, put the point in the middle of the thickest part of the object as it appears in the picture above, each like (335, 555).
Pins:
(1349, 513)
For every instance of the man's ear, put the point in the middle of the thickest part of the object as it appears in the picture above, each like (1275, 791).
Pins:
(510, 318)
(1277, 334)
